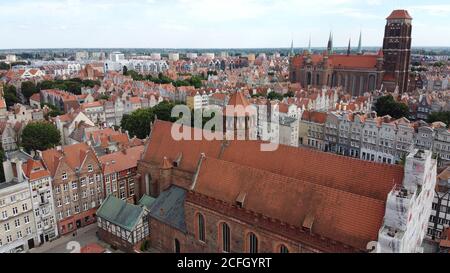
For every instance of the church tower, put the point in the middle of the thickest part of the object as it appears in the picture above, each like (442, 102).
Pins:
(397, 51)
(240, 118)
(330, 44)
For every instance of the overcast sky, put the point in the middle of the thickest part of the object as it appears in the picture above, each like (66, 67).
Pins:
(211, 23)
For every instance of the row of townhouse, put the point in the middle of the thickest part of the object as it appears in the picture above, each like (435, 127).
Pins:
(110, 113)
(202, 99)
(372, 138)
(440, 215)
(62, 100)
(26, 204)
(59, 191)
(277, 122)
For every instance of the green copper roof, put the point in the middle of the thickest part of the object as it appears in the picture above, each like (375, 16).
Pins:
(147, 201)
(120, 213)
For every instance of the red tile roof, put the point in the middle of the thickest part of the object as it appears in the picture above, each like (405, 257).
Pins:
(238, 98)
(121, 161)
(36, 97)
(345, 217)
(316, 117)
(72, 155)
(359, 177)
(354, 61)
(400, 14)
(35, 170)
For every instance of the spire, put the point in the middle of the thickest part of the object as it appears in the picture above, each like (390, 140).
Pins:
(292, 54)
(330, 44)
(309, 45)
(349, 47)
(360, 43)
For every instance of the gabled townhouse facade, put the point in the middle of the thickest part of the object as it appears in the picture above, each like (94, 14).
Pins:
(68, 123)
(77, 185)
(119, 172)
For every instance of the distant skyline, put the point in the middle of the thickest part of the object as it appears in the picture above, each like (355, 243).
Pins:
(212, 24)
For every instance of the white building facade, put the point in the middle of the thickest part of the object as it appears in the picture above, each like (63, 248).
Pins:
(409, 206)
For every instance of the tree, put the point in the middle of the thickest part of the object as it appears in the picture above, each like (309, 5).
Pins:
(289, 94)
(163, 111)
(275, 96)
(440, 116)
(4, 66)
(28, 89)
(125, 70)
(103, 97)
(10, 95)
(138, 123)
(388, 106)
(40, 136)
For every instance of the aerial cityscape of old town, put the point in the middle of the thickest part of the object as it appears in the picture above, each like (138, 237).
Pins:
(224, 127)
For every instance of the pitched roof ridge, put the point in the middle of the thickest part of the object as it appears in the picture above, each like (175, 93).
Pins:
(287, 178)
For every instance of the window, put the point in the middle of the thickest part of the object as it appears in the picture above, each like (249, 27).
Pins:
(74, 185)
(58, 202)
(68, 213)
(77, 209)
(6, 226)
(19, 234)
(60, 215)
(83, 182)
(57, 189)
(91, 180)
(75, 197)
(90, 168)
(9, 239)
(85, 194)
(66, 187)
(225, 238)
(177, 246)
(24, 207)
(64, 176)
(114, 187)
(201, 228)
(66, 200)
(36, 212)
(28, 230)
(131, 189)
(15, 211)
(13, 199)
(4, 214)
(85, 206)
(253, 243)
(26, 219)
(17, 222)
(284, 249)
(93, 204)
(122, 191)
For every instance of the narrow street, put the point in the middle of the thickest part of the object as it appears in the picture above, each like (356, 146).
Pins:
(72, 244)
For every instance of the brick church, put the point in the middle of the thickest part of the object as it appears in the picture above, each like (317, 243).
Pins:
(361, 72)
(229, 196)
